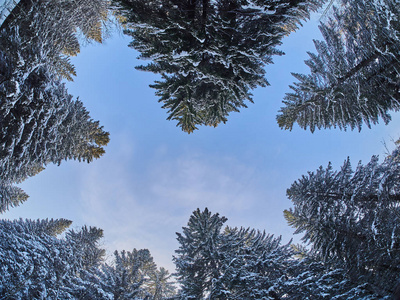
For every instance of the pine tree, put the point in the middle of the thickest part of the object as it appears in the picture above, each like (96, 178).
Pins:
(159, 284)
(254, 265)
(40, 123)
(56, 26)
(197, 262)
(351, 218)
(240, 263)
(354, 75)
(125, 279)
(210, 54)
(34, 264)
(10, 196)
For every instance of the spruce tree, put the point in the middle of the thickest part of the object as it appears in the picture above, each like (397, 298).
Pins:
(254, 265)
(354, 76)
(10, 196)
(45, 125)
(56, 25)
(197, 261)
(34, 263)
(351, 218)
(240, 263)
(310, 278)
(210, 54)
(126, 277)
(159, 284)
(40, 122)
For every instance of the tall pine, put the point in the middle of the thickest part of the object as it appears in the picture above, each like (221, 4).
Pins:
(354, 76)
(210, 54)
(40, 122)
(350, 218)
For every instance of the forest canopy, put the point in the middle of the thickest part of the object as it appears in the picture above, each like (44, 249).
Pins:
(210, 56)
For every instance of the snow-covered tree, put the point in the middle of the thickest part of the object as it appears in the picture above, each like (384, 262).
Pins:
(354, 75)
(351, 219)
(34, 263)
(59, 26)
(210, 54)
(254, 266)
(310, 278)
(238, 263)
(126, 277)
(160, 285)
(198, 261)
(40, 123)
(45, 125)
(10, 195)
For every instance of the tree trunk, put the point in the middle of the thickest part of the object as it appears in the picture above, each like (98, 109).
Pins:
(362, 64)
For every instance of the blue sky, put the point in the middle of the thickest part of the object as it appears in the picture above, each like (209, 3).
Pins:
(153, 175)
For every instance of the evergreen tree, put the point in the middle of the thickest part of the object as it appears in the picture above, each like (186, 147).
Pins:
(159, 285)
(125, 279)
(354, 75)
(40, 123)
(49, 227)
(351, 219)
(55, 25)
(10, 196)
(198, 262)
(239, 263)
(38, 117)
(89, 258)
(210, 54)
(254, 266)
(34, 264)
(86, 243)
(310, 278)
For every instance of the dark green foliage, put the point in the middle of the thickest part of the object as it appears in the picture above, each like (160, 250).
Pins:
(355, 75)
(312, 279)
(39, 120)
(86, 243)
(40, 123)
(44, 125)
(198, 259)
(125, 279)
(10, 196)
(210, 54)
(254, 264)
(56, 25)
(35, 264)
(239, 263)
(351, 219)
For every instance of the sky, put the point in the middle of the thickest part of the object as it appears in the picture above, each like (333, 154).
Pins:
(153, 175)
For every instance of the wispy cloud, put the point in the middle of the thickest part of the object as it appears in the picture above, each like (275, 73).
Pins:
(144, 209)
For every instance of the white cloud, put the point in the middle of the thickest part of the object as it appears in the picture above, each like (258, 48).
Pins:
(145, 210)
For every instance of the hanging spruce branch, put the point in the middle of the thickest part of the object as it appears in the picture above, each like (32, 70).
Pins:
(354, 76)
